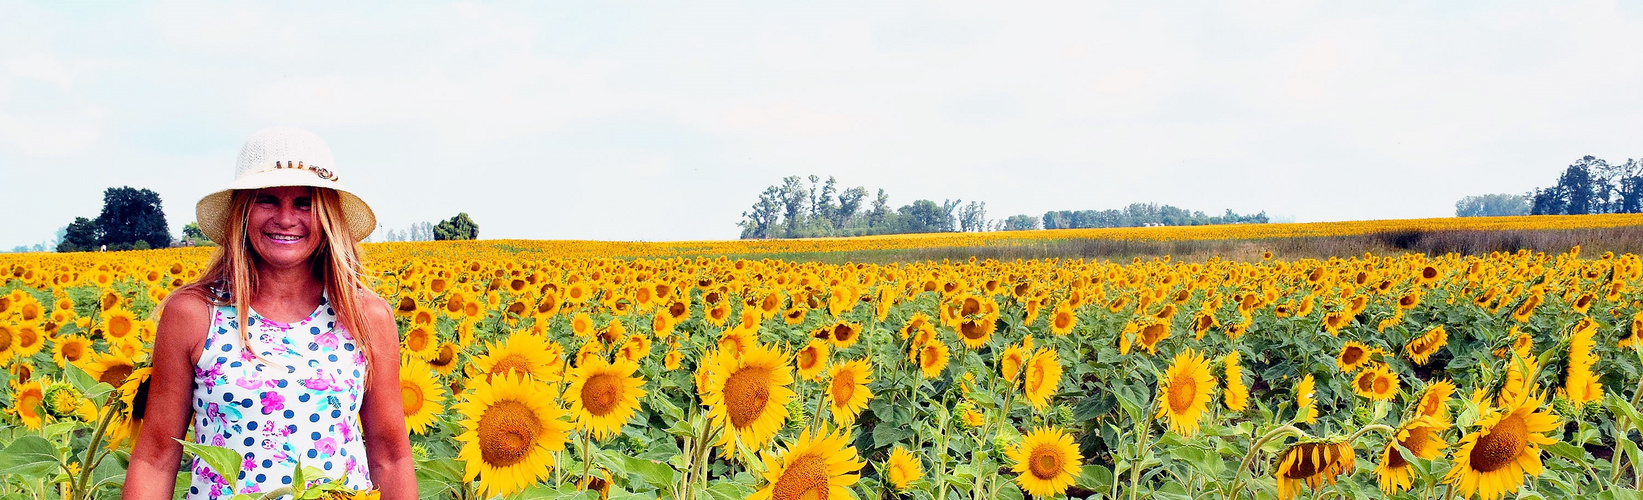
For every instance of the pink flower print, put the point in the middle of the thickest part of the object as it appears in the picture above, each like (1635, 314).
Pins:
(320, 384)
(245, 355)
(249, 383)
(249, 463)
(328, 340)
(219, 440)
(272, 402)
(347, 431)
(326, 446)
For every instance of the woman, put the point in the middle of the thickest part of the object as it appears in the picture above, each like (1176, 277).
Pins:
(312, 374)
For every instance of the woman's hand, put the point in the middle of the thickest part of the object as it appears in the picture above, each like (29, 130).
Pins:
(387, 442)
(183, 325)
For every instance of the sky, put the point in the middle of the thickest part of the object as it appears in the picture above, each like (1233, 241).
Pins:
(663, 121)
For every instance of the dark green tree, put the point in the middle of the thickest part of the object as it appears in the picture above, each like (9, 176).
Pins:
(761, 221)
(1021, 222)
(80, 236)
(131, 215)
(457, 228)
(923, 216)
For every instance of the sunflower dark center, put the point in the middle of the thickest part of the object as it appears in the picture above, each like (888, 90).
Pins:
(804, 479)
(5, 338)
(1352, 355)
(119, 326)
(844, 387)
(1502, 445)
(973, 330)
(417, 339)
(115, 375)
(746, 393)
(511, 362)
(507, 432)
(600, 393)
(1063, 320)
(1045, 462)
(410, 395)
(1182, 390)
(1305, 465)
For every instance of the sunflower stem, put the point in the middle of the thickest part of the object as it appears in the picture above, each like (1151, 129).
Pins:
(821, 400)
(1140, 445)
(79, 490)
(1371, 427)
(1249, 458)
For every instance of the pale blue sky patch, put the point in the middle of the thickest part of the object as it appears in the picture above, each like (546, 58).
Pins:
(663, 121)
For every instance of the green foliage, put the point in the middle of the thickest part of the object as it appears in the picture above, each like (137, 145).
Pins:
(81, 236)
(1143, 214)
(1492, 205)
(457, 228)
(795, 209)
(1592, 185)
(131, 215)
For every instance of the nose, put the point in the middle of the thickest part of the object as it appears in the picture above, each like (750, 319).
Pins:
(288, 215)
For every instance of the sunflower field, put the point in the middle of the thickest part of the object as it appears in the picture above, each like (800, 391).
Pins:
(534, 376)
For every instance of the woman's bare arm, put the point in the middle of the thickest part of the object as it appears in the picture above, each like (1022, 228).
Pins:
(152, 474)
(387, 443)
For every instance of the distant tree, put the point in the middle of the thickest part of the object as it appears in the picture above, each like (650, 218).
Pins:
(131, 215)
(923, 216)
(457, 228)
(881, 210)
(1021, 222)
(949, 216)
(192, 231)
(1493, 205)
(849, 203)
(793, 197)
(765, 213)
(973, 217)
(81, 235)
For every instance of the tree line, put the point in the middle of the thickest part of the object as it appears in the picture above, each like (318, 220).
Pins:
(799, 209)
(1590, 185)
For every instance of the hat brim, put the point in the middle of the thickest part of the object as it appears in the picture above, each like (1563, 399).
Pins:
(212, 212)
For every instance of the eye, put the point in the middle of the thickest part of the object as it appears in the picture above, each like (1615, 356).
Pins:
(264, 199)
(302, 203)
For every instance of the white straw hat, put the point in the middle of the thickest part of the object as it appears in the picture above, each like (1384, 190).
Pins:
(283, 156)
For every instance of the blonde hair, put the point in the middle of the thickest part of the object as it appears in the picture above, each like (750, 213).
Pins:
(231, 278)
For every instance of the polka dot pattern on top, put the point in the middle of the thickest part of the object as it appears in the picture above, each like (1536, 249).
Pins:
(300, 401)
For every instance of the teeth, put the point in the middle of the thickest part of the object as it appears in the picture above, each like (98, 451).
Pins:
(282, 237)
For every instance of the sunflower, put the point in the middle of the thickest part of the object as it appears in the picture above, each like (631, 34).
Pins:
(1236, 396)
(1306, 402)
(1312, 463)
(582, 324)
(636, 348)
(661, 325)
(27, 399)
(8, 341)
(71, 349)
(1520, 381)
(528, 355)
(1385, 384)
(604, 396)
(421, 342)
(1042, 377)
(844, 334)
(973, 418)
(672, 360)
(932, 358)
(1151, 333)
(1063, 320)
(1492, 460)
(747, 395)
(444, 360)
(1524, 311)
(1336, 320)
(119, 324)
(1046, 462)
(811, 360)
(1434, 401)
(847, 392)
(510, 434)
(975, 332)
(1423, 347)
(420, 394)
(819, 465)
(1580, 386)
(1009, 363)
(1185, 390)
(1421, 437)
(112, 368)
(1352, 356)
(597, 480)
(902, 468)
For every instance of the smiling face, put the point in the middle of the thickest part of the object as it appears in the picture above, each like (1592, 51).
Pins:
(282, 227)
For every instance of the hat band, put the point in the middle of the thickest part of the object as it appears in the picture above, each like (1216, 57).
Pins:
(322, 172)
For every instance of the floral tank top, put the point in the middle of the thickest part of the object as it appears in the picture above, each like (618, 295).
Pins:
(300, 403)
